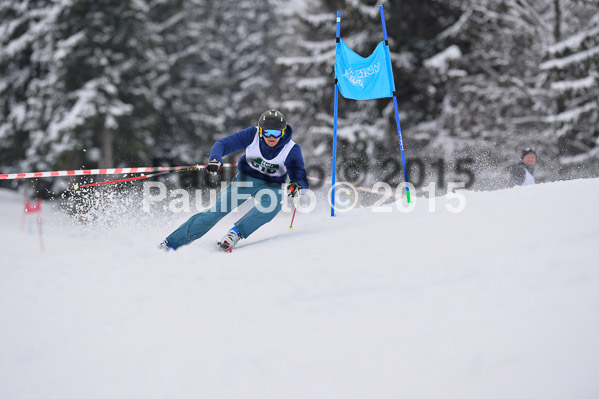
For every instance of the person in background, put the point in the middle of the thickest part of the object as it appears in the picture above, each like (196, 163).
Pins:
(522, 174)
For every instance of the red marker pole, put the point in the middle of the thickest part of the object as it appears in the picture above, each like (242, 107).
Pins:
(39, 231)
(34, 208)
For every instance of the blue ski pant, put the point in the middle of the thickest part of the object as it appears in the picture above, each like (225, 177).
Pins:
(268, 198)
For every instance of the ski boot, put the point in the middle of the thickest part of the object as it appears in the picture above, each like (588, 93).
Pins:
(230, 240)
(165, 246)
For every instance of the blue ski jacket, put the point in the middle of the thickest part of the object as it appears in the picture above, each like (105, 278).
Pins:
(242, 139)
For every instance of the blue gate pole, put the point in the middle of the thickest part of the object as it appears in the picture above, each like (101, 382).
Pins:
(335, 123)
(403, 157)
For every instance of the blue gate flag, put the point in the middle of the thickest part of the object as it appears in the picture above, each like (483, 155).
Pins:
(362, 78)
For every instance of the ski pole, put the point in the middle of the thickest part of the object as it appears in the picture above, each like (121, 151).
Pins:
(175, 169)
(94, 172)
(292, 218)
(76, 187)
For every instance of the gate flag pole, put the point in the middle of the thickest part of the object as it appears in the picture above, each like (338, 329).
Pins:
(364, 78)
(335, 123)
(403, 157)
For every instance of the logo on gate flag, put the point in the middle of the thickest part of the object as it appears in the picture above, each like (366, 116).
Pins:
(362, 78)
(357, 77)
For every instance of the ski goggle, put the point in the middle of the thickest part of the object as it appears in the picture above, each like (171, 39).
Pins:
(273, 133)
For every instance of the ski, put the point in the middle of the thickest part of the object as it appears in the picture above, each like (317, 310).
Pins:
(225, 247)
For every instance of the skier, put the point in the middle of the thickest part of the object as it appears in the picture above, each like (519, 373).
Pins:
(521, 174)
(270, 155)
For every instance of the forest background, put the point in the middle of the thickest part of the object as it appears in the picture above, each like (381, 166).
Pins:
(115, 83)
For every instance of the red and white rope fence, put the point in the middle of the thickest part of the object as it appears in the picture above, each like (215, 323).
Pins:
(141, 170)
(93, 172)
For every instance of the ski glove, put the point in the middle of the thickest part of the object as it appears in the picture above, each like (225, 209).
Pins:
(214, 167)
(293, 189)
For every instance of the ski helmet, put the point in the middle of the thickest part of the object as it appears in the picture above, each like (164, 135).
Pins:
(272, 120)
(528, 150)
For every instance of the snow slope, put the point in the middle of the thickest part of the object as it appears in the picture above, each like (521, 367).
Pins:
(498, 301)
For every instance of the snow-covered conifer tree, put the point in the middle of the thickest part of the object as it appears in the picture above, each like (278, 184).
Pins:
(88, 74)
(572, 71)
